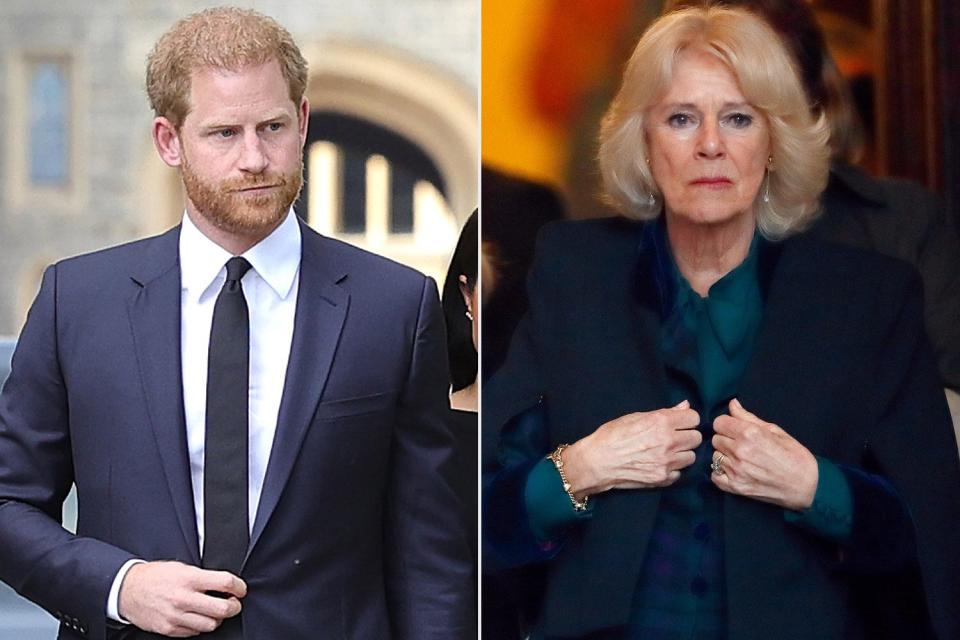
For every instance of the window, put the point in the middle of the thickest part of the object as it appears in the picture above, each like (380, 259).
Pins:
(374, 188)
(49, 123)
(44, 136)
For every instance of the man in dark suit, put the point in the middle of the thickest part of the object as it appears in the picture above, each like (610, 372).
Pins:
(252, 414)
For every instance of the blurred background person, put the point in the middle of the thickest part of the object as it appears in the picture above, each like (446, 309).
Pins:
(462, 318)
(461, 312)
(626, 466)
(514, 209)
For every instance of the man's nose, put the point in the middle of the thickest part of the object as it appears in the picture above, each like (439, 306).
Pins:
(253, 157)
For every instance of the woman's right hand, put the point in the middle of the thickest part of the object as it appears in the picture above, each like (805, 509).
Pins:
(635, 451)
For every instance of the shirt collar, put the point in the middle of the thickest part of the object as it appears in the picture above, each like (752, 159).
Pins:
(729, 299)
(276, 258)
(729, 303)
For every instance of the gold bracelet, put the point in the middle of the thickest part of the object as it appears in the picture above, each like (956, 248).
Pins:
(557, 460)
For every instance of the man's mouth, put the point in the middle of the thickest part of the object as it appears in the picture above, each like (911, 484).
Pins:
(257, 189)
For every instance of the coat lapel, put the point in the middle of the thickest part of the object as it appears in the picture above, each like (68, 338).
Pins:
(771, 386)
(635, 323)
(628, 361)
(154, 312)
(321, 310)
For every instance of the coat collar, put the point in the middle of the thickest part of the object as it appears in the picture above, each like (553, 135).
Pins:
(656, 286)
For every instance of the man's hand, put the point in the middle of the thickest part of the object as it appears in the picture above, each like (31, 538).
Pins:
(171, 598)
(635, 451)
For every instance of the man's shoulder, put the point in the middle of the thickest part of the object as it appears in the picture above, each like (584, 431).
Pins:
(348, 263)
(891, 215)
(160, 249)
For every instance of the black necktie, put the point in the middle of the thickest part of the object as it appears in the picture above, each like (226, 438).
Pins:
(225, 508)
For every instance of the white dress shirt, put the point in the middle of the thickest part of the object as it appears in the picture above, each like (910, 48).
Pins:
(270, 288)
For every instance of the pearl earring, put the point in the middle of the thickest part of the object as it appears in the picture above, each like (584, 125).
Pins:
(652, 200)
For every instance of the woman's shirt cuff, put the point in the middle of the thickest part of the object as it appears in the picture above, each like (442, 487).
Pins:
(831, 514)
(548, 505)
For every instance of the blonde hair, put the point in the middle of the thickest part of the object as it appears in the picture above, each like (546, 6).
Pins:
(766, 75)
(221, 38)
(828, 92)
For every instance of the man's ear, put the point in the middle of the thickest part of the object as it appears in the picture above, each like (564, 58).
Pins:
(303, 120)
(166, 139)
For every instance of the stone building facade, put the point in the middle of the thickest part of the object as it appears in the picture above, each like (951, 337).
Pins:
(77, 164)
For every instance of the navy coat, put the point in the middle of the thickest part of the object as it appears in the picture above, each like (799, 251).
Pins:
(841, 363)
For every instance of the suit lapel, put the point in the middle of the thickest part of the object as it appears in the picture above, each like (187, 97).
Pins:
(321, 310)
(154, 312)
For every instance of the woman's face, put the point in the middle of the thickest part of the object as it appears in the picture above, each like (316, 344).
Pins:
(708, 147)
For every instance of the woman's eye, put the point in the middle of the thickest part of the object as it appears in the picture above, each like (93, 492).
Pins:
(680, 120)
(740, 120)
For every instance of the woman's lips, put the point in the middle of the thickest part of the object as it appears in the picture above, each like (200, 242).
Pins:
(712, 183)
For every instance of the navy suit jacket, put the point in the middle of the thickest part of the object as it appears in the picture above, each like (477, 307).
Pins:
(840, 362)
(357, 533)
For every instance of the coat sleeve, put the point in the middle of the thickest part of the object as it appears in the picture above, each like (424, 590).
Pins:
(68, 575)
(938, 261)
(516, 433)
(429, 575)
(913, 447)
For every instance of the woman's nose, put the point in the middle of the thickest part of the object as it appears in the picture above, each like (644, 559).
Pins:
(709, 142)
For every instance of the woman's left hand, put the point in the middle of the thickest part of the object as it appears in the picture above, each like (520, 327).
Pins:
(762, 461)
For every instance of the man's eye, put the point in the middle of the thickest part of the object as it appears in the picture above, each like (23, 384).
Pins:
(225, 133)
(680, 120)
(740, 120)
(274, 126)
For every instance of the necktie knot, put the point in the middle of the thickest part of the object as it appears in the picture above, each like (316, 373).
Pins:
(237, 267)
